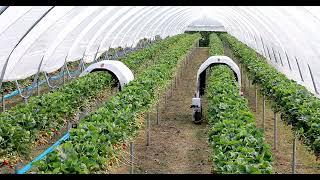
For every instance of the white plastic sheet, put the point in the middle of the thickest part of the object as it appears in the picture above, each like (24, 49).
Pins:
(30, 34)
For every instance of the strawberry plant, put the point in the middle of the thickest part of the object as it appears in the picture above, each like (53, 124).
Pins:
(94, 144)
(20, 126)
(215, 45)
(238, 145)
(297, 105)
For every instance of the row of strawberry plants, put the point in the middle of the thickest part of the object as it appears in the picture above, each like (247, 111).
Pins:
(95, 144)
(215, 45)
(238, 146)
(21, 125)
(297, 105)
(237, 143)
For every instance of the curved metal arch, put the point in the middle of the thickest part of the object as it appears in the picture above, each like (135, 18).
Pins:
(44, 24)
(97, 32)
(239, 22)
(107, 32)
(180, 21)
(100, 33)
(264, 24)
(64, 34)
(75, 36)
(96, 40)
(157, 21)
(146, 24)
(162, 22)
(87, 32)
(131, 33)
(3, 8)
(180, 24)
(9, 45)
(11, 16)
(247, 25)
(163, 28)
(119, 35)
(309, 53)
(173, 18)
(134, 26)
(105, 37)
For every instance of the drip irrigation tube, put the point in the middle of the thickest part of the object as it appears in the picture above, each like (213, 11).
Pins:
(42, 155)
(16, 92)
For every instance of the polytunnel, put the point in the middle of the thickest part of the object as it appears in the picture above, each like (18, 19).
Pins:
(52, 35)
(36, 41)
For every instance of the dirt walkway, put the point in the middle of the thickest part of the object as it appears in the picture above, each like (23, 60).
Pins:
(177, 146)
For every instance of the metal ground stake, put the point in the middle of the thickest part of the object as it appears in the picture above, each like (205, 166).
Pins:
(3, 102)
(131, 157)
(158, 115)
(294, 144)
(263, 111)
(256, 98)
(275, 131)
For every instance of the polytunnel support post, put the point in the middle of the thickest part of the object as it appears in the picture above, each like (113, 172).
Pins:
(148, 129)
(69, 74)
(125, 50)
(95, 55)
(3, 102)
(81, 64)
(288, 61)
(48, 81)
(171, 88)
(37, 75)
(116, 54)
(263, 110)
(158, 114)
(280, 59)
(293, 163)
(269, 53)
(131, 157)
(256, 98)
(256, 42)
(107, 53)
(64, 68)
(264, 49)
(274, 55)
(299, 69)
(312, 78)
(275, 141)
(165, 101)
(25, 98)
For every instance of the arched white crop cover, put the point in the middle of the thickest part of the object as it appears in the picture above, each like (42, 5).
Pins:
(215, 60)
(29, 35)
(120, 70)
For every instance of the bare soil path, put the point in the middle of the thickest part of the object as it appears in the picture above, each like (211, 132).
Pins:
(177, 145)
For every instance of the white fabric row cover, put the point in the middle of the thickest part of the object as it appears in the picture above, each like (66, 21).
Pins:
(216, 60)
(118, 68)
(53, 35)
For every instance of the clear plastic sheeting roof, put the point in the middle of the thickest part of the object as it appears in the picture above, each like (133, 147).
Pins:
(43, 38)
(206, 24)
